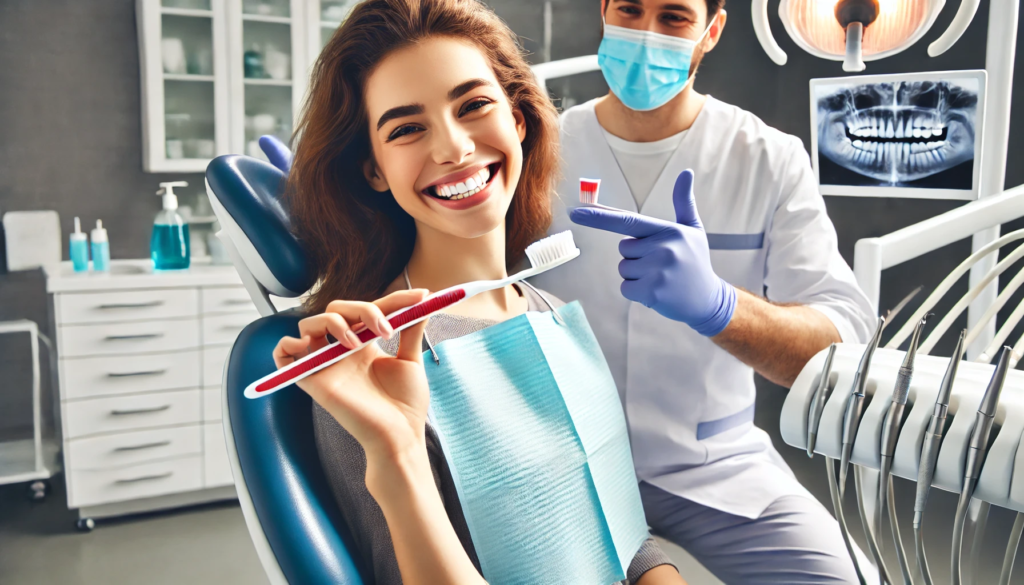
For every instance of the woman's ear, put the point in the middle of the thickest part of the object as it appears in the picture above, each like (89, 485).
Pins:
(520, 119)
(374, 176)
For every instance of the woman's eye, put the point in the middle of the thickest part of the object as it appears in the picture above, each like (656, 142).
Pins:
(474, 105)
(402, 131)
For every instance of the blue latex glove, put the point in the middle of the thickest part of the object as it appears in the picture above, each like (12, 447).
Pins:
(277, 152)
(666, 266)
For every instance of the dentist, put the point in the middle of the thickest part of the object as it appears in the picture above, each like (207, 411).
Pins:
(688, 306)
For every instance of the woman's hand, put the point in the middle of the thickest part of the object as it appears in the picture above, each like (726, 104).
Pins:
(381, 400)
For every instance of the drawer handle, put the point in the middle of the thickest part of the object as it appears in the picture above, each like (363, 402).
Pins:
(118, 412)
(142, 373)
(132, 305)
(138, 336)
(143, 446)
(145, 478)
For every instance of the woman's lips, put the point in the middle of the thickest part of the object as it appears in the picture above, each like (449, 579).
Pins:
(473, 200)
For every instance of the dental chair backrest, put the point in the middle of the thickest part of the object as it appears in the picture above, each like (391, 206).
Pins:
(299, 533)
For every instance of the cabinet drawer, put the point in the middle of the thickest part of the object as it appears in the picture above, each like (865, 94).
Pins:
(99, 376)
(223, 329)
(133, 305)
(123, 413)
(101, 486)
(212, 405)
(213, 364)
(132, 337)
(133, 448)
(229, 299)
(216, 467)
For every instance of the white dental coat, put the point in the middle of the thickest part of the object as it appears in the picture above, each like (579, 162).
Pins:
(689, 403)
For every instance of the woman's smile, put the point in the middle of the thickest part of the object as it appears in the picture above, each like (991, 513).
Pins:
(464, 189)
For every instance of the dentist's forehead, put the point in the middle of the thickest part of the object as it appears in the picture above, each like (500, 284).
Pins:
(424, 74)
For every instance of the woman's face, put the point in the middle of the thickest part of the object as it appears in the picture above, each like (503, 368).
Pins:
(446, 142)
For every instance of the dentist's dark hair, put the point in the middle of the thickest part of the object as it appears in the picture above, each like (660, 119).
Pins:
(358, 239)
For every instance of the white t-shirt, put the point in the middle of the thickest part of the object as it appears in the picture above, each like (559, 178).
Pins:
(642, 162)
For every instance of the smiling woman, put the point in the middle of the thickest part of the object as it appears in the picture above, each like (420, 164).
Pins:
(370, 172)
(428, 155)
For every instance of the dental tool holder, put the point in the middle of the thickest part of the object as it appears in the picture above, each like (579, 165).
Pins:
(1002, 476)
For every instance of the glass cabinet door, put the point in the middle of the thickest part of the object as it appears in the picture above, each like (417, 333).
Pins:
(183, 83)
(269, 70)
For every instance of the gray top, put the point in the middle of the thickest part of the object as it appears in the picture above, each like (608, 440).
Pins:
(344, 463)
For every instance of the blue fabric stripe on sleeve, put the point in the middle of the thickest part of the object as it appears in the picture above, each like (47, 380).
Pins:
(736, 241)
(706, 430)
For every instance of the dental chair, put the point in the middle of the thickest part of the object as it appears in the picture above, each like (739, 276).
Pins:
(294, 523)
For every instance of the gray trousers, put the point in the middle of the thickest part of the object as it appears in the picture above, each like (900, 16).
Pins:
(794, 541)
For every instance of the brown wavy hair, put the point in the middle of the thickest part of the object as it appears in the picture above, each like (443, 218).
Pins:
(359, 240)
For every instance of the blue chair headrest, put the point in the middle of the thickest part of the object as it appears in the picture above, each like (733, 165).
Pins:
(277, 453)
(251, 192)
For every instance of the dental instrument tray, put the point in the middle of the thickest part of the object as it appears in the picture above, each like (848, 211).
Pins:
(1002, 478)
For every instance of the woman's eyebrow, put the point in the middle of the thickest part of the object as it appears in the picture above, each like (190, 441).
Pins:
(466, 87)
(399, 112)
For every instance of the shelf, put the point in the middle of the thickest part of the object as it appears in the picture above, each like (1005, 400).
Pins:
(187, 77)
(271, 19)
(265, 81)
(187, 12)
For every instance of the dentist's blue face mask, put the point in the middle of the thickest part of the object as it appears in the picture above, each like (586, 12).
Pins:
(645, 69)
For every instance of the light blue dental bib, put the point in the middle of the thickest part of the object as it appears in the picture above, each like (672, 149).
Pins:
(531, 425)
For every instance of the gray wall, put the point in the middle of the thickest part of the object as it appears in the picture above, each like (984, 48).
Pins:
(69, 110)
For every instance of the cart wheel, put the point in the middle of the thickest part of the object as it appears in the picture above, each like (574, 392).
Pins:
(37, 490)
(85, 524)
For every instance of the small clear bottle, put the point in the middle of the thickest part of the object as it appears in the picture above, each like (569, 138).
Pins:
(100, 247)
(169, 246)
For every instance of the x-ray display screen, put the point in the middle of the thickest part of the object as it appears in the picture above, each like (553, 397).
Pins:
(914, 135)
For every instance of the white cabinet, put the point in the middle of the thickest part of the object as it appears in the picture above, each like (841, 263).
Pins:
(218, 74)
(183, 62)
(140, 360)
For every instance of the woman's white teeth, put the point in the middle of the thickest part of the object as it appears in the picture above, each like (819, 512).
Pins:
(463, 189)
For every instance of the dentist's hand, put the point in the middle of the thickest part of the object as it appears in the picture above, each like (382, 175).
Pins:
(666, 266)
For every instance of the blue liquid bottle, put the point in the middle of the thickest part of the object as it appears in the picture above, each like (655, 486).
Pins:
(169, 246)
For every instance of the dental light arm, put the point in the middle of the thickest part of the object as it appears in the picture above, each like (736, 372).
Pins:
(759, 15)
(976, 451)
(963, 18)
(947, 283)
(890, 434)
(930, 454)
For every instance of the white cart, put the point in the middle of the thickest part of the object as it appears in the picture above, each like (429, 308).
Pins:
(25, 460)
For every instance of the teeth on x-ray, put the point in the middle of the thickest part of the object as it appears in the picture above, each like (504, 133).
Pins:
(898, 132)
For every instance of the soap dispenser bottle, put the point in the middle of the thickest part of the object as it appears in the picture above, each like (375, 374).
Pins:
(169, 246)
(100, 248)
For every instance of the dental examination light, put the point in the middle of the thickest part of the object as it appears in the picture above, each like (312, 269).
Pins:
(855, 31)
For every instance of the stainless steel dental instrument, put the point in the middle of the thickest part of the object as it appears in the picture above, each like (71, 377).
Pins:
(976, 451)
(855, 404)
(890, 434)
(820, 397)
(930, 454)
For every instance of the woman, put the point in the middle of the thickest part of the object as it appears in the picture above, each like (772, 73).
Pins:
(427, 158)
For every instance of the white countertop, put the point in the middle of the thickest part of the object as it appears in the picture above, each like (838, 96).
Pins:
(138, 274)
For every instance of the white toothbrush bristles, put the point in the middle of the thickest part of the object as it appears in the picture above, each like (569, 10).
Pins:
(589, 189)
(551, 249)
